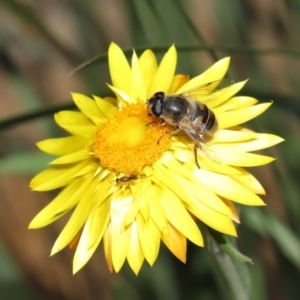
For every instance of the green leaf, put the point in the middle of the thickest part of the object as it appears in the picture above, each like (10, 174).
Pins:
(254, 218)
(234, 272)
(233, 252)
(29, 17)
(267, 224)
(149, 21)
(285, 238)
(24, 163)
(229, 247)
(13, 281)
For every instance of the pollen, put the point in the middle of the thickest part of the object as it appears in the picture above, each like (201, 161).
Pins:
(131, 140)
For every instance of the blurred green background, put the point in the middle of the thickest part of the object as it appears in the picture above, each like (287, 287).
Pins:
(42, 41)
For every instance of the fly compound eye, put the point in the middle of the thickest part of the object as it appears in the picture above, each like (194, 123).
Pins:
(157, 109)
(159, 95)
(156, 104)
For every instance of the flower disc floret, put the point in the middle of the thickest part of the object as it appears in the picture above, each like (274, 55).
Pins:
(131, 140)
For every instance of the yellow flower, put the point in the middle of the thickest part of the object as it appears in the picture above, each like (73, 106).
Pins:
(131, 184)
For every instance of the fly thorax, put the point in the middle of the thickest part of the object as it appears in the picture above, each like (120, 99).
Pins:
(175, 108)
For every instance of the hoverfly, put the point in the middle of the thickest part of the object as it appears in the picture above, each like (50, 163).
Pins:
(189, 114)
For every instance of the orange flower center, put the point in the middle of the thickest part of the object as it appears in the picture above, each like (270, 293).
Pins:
(131, 140)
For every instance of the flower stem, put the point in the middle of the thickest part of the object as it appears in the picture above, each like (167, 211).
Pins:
(40, 112)
(227, 48)
(227, 269)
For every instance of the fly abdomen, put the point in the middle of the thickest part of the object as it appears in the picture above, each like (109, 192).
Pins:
(205, 117)
(211, 123)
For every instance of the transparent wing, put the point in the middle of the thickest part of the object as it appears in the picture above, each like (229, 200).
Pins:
(199, 138)
(210, 90)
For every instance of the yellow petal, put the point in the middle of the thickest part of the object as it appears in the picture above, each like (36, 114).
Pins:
(249, 182)
(228, 136)
(178, 81)
(148, 65)
(243, 159)
(119, 68)
(145, 212)
(202, 193)
(63, 146)
(150, 240)
(179, 217)
(211, 218)
(62, 203)
(52, 178)
(195, 188)
(228, 188)
(138, 191)
(120, 234)
(135, 255)
(234, 213)
(220, 96)
(215, 72)
(59, 176)
(107, 248)
(122, 97)
(94, 228)
(239, 116)
(71, 158)
(74, 242)
(184, 155)
(236, 103)
(164, 75)
(208, 164)
(105, 106)
(75, 223)
(163, 176)
(187, 156)
(88, 107)
(176, 242)
(261, 141)
(75, 123)
(157, 213)
(138, 90)
(110, 100)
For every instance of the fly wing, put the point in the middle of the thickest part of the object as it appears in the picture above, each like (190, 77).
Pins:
(208, 91)
(200, 140)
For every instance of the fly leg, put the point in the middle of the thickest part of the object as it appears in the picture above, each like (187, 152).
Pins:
(170, 133)
(196, 158)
